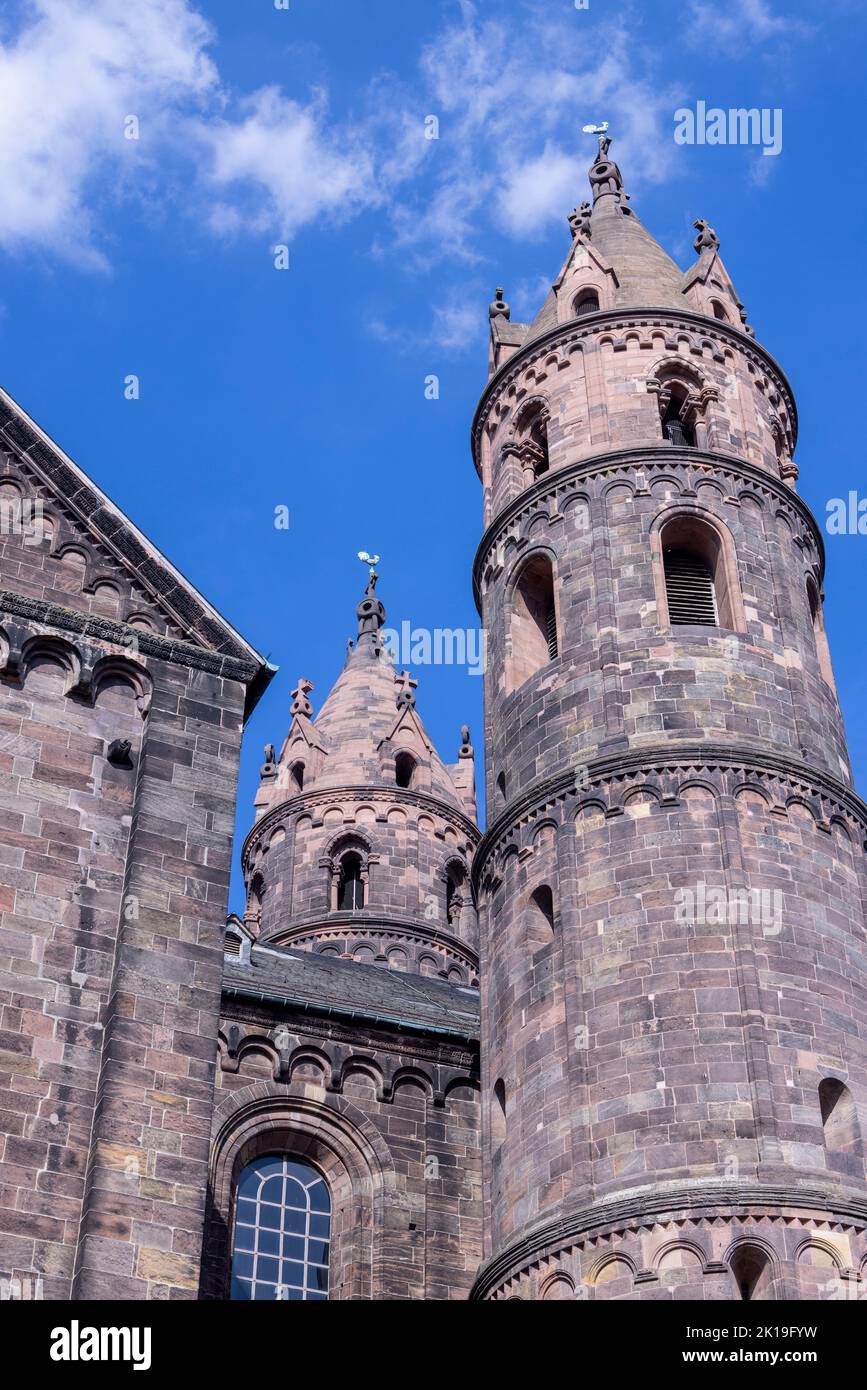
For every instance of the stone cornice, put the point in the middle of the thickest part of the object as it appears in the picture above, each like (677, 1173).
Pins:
(641, 457)
(363, 923)
(589, 325)
(397, 796)
(168, 649)
(702, 1199)
(561, 786)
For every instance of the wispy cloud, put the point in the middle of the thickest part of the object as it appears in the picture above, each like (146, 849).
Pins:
(740, 22)
(457, 325)
(68, 79)
(280, 166)
(508, 96)
(511, 98)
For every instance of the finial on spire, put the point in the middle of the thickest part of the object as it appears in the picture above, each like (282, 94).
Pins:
(579, 220)
(707, 238)
(406, 687)
(371, 611)
(300, 702)
(466, 749)
(605, 176)
(268, 770)
(499, 308)
(372, 561)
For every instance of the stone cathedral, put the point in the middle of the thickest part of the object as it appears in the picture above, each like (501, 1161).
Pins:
(611, 1048)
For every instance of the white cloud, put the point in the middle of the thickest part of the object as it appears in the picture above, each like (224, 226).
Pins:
(296, 168)
(510, 98)
(68, 79)
(738, 23)
(459, 324)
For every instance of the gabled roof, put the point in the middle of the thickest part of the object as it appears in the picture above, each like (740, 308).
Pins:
(101, 523)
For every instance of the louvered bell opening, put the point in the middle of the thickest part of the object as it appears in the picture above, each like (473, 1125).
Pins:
(675, 433)
(232, 946)
(551, 632)
(689, 589)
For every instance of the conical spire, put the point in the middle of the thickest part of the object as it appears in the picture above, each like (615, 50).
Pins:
(367, 719)
(641, 273)
(646, 275)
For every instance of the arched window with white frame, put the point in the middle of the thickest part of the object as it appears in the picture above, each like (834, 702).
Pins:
(281, 1240)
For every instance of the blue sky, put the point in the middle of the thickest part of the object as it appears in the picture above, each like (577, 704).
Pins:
(304, 387)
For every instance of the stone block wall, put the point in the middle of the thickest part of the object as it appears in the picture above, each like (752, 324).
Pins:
(391, 1121)
(122, 700)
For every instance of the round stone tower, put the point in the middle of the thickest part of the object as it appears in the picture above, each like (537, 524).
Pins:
(363, 838)
(672, 886)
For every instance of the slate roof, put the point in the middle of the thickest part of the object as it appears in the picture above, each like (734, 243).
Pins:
(330, 985)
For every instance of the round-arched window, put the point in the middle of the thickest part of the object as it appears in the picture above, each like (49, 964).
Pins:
(282, 1237)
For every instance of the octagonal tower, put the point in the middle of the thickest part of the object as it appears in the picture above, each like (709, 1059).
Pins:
(671, 888)
(363, 838)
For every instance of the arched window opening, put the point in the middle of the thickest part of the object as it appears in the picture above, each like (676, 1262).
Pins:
(282, 1237)
(820, 636)
(498, 1115)
(718, 311)
(531, 440)
(350, 883)
(677, 423)
(533, 627)
(699, 582)
(257, 894)
(840, 1123)
(751, 1269)
(540, 917)
(587, 302)
(455, 878)
(404, 769)
(296, 776)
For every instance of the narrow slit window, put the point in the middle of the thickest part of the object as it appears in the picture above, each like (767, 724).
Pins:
(404, 768)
